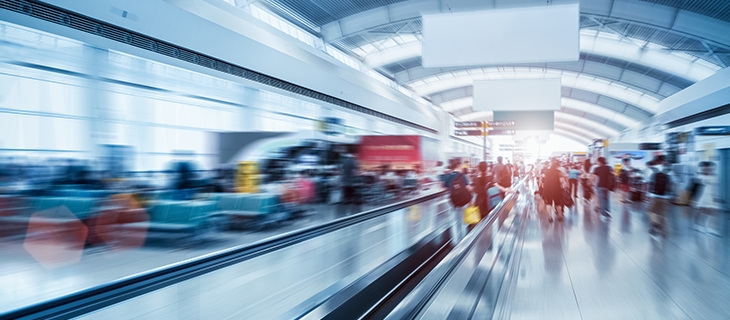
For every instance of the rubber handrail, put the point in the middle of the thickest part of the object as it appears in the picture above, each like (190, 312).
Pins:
(92, 299)
(414, 303)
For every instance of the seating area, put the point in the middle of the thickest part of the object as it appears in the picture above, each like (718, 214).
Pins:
(176, 219)
(251, 210)
(75, 193)
(164, 219)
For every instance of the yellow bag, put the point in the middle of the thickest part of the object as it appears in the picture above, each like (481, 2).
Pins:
(471, 215)
(683, 199)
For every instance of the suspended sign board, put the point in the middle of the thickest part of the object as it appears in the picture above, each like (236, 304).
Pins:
(524, 95)
(461, 133)
(513, 149)
(502, 123)
(529, 120)
(481, 124)
(650, 146)
(535, 34)
(713, 131)
(468, 124)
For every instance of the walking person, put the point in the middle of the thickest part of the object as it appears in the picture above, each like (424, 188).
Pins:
(586, 181)
(708, 201)
(350, 183)
(573, 176)
(659, 195)
(553, 182)
(502, 175)
(606, 182)
(624, 179)
(481, 185)
(460, 193)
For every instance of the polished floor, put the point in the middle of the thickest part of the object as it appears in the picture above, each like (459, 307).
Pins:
(25, 281)
(592, 268)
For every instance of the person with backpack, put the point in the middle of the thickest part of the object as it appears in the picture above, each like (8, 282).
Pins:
(502, 175)
(606, 183)
(486, 200)
(460, 193)
(708, 201)
(659, 194)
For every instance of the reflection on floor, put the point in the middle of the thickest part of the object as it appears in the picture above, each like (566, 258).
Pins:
(24, 281)
(592, 268)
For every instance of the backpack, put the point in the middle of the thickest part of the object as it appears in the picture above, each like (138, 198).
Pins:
(660, 183)
(611, 183)
(503, 177)
(460, 195)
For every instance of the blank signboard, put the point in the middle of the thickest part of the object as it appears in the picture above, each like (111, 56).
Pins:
(528, 120)
(517, 94)
(519, 35)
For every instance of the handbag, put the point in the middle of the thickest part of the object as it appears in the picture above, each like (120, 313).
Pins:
(471, 215)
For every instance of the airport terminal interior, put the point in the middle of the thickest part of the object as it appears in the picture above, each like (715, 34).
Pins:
(365, 159)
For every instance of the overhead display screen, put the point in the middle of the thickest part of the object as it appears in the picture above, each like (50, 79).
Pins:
(517, 35)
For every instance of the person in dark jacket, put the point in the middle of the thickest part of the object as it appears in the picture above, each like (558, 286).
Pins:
(480, 186)
(553, 182)
(604, 175)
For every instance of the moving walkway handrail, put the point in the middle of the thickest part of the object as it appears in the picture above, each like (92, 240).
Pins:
(417, 300)
(92, 299)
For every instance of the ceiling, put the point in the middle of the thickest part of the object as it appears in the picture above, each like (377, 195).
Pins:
(634, 53)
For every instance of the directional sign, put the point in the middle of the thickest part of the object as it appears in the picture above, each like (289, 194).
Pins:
(479, 124)
(501, 123)
(468, 124)
(713, 131)
(461, 133)
(513, 149)
(650, 146)
(502, 132)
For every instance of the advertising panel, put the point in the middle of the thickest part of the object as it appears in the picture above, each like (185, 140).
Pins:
(637, 159)
(399, 152)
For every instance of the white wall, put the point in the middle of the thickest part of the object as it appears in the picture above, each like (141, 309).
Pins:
(61, 98)
(221, 32)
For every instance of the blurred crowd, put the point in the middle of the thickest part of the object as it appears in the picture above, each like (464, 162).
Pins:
(659, 185)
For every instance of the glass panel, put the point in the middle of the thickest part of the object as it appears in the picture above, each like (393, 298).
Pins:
(278, 284)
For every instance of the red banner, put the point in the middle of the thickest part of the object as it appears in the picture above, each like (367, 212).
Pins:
(399, 152)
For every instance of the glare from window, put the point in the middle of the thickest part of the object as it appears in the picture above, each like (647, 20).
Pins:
(441, 83)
